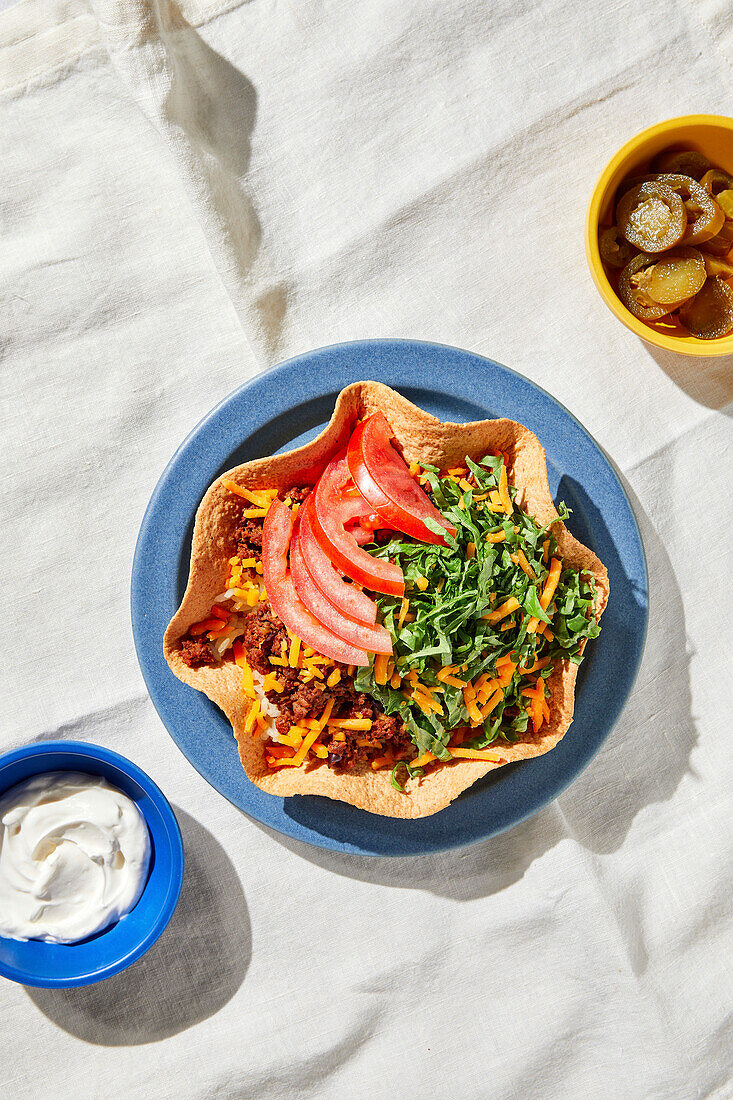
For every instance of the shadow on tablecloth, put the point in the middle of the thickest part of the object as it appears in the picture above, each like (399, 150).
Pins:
(643, 761)
(196, 966)
(707, 381)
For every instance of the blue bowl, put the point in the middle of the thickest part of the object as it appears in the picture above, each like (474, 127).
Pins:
(59, 966)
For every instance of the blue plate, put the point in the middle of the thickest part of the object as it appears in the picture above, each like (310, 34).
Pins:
(287, 406)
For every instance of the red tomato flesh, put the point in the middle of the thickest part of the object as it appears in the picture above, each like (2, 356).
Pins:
(375, 639)
(276, 535)
(347, 599)
(329, 514)
(360, 534)
(384, 480)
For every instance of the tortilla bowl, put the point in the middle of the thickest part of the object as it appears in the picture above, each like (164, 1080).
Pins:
(421, 438)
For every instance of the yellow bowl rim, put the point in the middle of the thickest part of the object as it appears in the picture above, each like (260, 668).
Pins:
(689, 345)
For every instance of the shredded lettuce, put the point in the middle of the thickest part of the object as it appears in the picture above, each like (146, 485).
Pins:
(445, 624)
(411, 771)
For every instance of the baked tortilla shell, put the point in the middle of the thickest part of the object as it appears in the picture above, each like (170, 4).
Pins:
(422, 438)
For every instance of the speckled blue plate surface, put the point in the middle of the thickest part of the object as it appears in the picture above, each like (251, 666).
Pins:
(285, 407)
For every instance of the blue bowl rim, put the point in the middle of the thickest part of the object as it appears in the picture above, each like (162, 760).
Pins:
(91, 752)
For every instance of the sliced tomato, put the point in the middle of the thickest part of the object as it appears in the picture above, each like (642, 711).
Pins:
(327, 519)
(375, 639)
(345, 597)
(356, 512)
(384, 480)
(360, 534)
(276, 535)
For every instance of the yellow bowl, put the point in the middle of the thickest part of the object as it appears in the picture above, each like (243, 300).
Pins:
(708, 134)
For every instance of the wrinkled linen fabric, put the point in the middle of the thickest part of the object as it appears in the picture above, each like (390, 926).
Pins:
(192, 191)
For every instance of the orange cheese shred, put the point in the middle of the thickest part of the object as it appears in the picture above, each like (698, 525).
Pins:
(252, 716)
(380, 668)
(525, 566)
(490, 704)
(551, 583)
(469, 699)
(475, 754)
(321, 723)
(502, 610)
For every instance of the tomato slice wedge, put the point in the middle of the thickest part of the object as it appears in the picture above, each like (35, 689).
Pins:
(345, 597)
(360, 534)
(383, 478)
(327, 521)
(277, 532)
(375, 639)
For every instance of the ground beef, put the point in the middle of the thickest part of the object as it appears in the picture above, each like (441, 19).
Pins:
(392, 732)
(196, 652)
(387, 731)
(296, 494)
(248, 532)
(248, 538)
(342, 755)
(263, 637)
(297, 701)
(348, 702)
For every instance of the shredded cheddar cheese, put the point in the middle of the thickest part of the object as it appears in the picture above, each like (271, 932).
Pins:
(551, 583)
(303, 750)
(469, 699)
(502, 610)
(350, 723)
(252, 715)
(491, 703)
(475, 754)
(326, 714)
(380, 668)
(293, 738)
(294, 654)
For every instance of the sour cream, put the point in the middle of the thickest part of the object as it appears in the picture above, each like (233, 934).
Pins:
(74, 857)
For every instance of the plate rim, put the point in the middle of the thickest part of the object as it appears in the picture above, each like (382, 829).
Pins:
(296, 831)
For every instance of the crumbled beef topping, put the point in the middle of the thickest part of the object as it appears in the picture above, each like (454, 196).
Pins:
(248, 539)
(299, 702)
(296, 494)
(196, 652)
(248, 532)
(391, 731)
(263, 637)
(342, 755)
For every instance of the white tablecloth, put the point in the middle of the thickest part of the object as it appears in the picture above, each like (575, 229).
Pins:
(192, 191)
